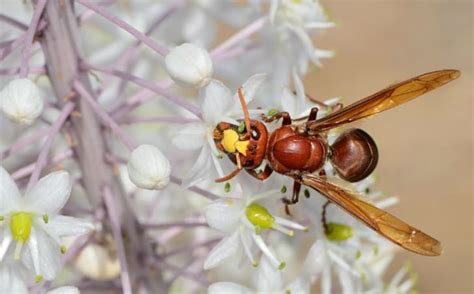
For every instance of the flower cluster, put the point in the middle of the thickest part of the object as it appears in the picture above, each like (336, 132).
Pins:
(133, 119)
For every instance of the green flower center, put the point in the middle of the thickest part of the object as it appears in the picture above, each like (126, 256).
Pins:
(20, 226)
(259, 216)
(338, 232)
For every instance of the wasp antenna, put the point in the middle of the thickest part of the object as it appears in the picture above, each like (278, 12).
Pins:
(245, 110)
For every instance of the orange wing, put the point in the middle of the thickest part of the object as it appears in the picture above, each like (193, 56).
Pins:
(380, 221)
(388, 98)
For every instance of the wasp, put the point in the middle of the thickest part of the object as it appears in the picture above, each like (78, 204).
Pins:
(299, 149)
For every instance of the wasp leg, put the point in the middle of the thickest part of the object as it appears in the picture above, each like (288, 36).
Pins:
(287, 203)
(284, 115)
(296, 192)
(262, 175)
(312, 114)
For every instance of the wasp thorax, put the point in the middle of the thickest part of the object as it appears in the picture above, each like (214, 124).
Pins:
(354, 155)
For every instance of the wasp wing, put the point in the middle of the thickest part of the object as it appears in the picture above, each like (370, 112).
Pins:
(380, 221)
(388, 98)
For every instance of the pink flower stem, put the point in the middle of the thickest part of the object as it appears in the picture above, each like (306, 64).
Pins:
(164, 226)
(142, 96)
(127, 58)
(28, 169)
(23, 143)
(112, 211)
(15, 44)
(104, 116)
(189, 248)
(205, 193)
(147, 84)
(54, 130)
(14, 71)
(30, 33)
(156, 119)
(239, 36)
(125, 26)
(13, 22)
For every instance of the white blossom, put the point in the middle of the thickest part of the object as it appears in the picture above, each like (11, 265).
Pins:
(189, 64)
(148, 167)
(34, 225)
(243, 221)
(21, 102)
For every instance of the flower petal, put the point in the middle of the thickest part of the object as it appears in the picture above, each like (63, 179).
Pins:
(64, 226)
(190, 136)
(50, 194)
(45, 254)
(9, 194)
(228, 288)
(223, 250)
(64, 290)
(7, 239)
(250, 87)
(10, 282)
(224, 214)
(216, 100)
(200, 170)
(300, 286)
(268, 278)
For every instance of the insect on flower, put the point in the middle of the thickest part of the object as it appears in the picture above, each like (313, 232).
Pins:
(299, 149)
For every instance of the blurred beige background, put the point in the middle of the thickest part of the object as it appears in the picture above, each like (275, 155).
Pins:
(426, 145)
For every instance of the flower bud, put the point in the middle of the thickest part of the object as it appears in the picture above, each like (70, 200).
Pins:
(148, 168)
(21, 102)
(189, 64)
(96, 263)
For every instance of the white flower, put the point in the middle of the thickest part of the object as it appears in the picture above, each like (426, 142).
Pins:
(268, 279)
(12, 282)
(189, 64)
(33, 223)
(21, 101)
(243, 222)
(217, 105)
(148, 168)
(300, 105)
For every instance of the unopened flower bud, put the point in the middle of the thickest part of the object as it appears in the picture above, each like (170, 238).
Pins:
(21, 101)
(148, 168)
(189, 64)
(96, 263)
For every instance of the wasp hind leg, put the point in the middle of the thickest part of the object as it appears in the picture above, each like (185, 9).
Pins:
(294, 197)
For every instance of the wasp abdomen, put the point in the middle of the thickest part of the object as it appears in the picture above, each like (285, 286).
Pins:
(354, 155)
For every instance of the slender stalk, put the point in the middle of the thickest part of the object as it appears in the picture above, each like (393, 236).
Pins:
(126, 27)
(22, 143)
(14, 71)
(30, 33)
(157, 119)
(28, 169)
(13, 22)
(174, 225)
(239, 36)
(112, 212)
(104, 116)
(53, 132)
(146, 84)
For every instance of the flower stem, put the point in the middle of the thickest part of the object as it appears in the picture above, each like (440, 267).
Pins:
(146, 84)
(54, 130)
(104, 116)
(30, 33)
(125, 26)
(112, 212)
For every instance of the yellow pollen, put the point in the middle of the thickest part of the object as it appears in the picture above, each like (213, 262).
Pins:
(20, 226)
(231, 142)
